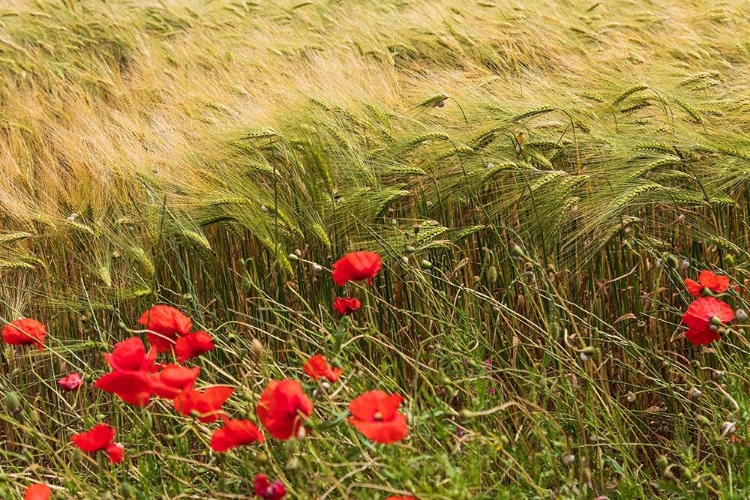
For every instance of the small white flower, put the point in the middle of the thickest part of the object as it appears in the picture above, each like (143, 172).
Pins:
(72, 217)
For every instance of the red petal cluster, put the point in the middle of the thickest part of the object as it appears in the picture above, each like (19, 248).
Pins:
(235, 433)
(317, 367)
(165, 324)
(207, 404)
(100, 437)
(375, 415)
(25, 331)
(707, 283)
(346, 306)
(193, 345)
(701, 315)
(356, 266)
(37, 492)
(269, 490)
(282, 408)
(70, 382)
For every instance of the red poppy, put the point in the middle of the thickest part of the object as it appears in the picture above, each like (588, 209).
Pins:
(317, 367)
(235, 433)
(173, 379)
(100, 437)
(133, 387)
(131, 355)
(25, 331)
(269, 490)
(375, 414)
(282, 408)
(206, 403)
(707, 282)
(346, 306)
(165, 324)
(71, 382)
(37, 492)
(703, 318)
(356, 266)
(193, 345)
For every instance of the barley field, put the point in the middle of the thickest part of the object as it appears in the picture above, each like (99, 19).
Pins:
(535, 214)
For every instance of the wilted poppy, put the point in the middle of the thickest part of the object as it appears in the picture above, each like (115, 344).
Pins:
(346, 306)
(282, 408)
(704, 317)
(375, 415)
(70, 382)
(131, 355)
(25, 331)
(356, 266)
(165, 324)
(100, 438)
(37, 492)
(207, 404)
(269, 490)
(707, 283)
(193, 345)
(235, 433)
(173, 379)
(317, 367)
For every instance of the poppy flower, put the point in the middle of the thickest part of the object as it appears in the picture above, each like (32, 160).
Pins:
(282, 407)
(131, 355)
(100, 438)
(71, 382)
(375, 415)
(269, 490)
(192, 345)
(707, 282)
(317, 367)
(37, 492)
(165, 324)
(133, 387)
(346, 306)
(356, 266)
(206, 403)
(235, 433)
(25, 331)
(703, 319)
(173, 379)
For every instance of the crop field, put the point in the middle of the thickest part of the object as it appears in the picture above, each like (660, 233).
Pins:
(374, 249)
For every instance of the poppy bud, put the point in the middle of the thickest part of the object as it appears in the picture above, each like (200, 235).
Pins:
(517, 251)
(589, 350)
(126, 490)
(631, 398)
(569, 459)
(702, 420)
(298, 252)
(492, 274)
(293, 257)
(728, 428)
(257, 347)
(741, 315)
(317, 268)
(409, 249)
(301, 433)
(584, 357)
(729, 260)
(426, 264)
(34, 416)
(658, 263)
(662, 462)
(685, 264)
(292, 464)
(490, 165)
(394, 222)
(694, 393)
(12, 403)
(673, 261)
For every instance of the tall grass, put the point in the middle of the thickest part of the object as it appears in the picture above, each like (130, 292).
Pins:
(179, 152)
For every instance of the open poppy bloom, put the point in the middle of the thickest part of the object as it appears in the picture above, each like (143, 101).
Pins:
(71, 382)
(707, 283)
(235, 433)
(375, 415)
(282, 408)
(193, 345)
(133, 387)
(704, 317)
(165, 324)
(346, 306)
(131, 355)
(100, 438)
(207, 404)
(317, 367)
(356, 266)
(269, 490)
(173, 379)
(25, 331)
(37, 492)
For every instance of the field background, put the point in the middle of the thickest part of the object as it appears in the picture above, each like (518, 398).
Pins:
(180, 151)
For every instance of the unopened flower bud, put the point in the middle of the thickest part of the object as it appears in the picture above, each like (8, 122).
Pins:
(409, 249)
(569, 459)
(741, 315)
(631, 398)
(694, 393)
(714, 328)
(12, 403)
(293, 257)
(301, 433)
(517, 251)
(703, 420)
(317, 268)
(257, 347)
(662, 462)
(715, 321)
(492, 274)
(426, 264)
